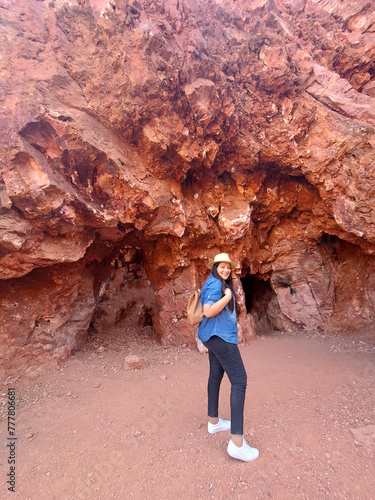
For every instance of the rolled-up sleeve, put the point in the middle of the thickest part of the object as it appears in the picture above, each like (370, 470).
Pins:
(212, 293)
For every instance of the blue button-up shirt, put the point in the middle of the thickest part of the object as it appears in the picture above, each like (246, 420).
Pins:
(224, 324)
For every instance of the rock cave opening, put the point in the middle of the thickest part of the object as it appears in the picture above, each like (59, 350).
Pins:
(258, 294)
(126, 299)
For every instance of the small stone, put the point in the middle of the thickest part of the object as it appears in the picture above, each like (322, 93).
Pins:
(137, 433)
(101, 349)
(29, 435)
(135, 362)
(163, 377)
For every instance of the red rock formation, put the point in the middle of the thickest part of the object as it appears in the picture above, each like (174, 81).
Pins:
(139, 138)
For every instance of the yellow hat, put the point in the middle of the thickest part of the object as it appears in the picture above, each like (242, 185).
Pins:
(222, 257)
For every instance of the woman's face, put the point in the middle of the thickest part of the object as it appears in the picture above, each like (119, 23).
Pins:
(224, 270)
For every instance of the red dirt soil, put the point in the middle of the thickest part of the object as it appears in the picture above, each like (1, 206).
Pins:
(93, 430)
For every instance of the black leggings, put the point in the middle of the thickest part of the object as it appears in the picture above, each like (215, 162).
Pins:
(226, 357)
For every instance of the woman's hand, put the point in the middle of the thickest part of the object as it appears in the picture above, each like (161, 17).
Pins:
(228, 293)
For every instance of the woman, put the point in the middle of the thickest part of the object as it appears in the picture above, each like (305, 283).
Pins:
(218, 332)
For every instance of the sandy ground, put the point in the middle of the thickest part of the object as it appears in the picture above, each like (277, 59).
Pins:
(93, 430)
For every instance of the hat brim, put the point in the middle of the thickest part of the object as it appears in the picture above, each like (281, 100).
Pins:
(233, 265)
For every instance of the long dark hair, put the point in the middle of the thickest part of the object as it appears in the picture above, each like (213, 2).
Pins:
(228, 283)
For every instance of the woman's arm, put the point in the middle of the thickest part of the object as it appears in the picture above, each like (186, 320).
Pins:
(212, 310)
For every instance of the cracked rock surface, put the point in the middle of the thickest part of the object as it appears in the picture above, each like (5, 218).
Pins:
(140, 138)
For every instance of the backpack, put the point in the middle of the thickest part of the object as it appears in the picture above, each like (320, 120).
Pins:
(194, 308)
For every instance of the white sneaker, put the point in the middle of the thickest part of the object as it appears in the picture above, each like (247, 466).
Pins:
(245, 453)
(222, 425)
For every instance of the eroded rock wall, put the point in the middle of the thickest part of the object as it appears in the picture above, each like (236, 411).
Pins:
(139, 138)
